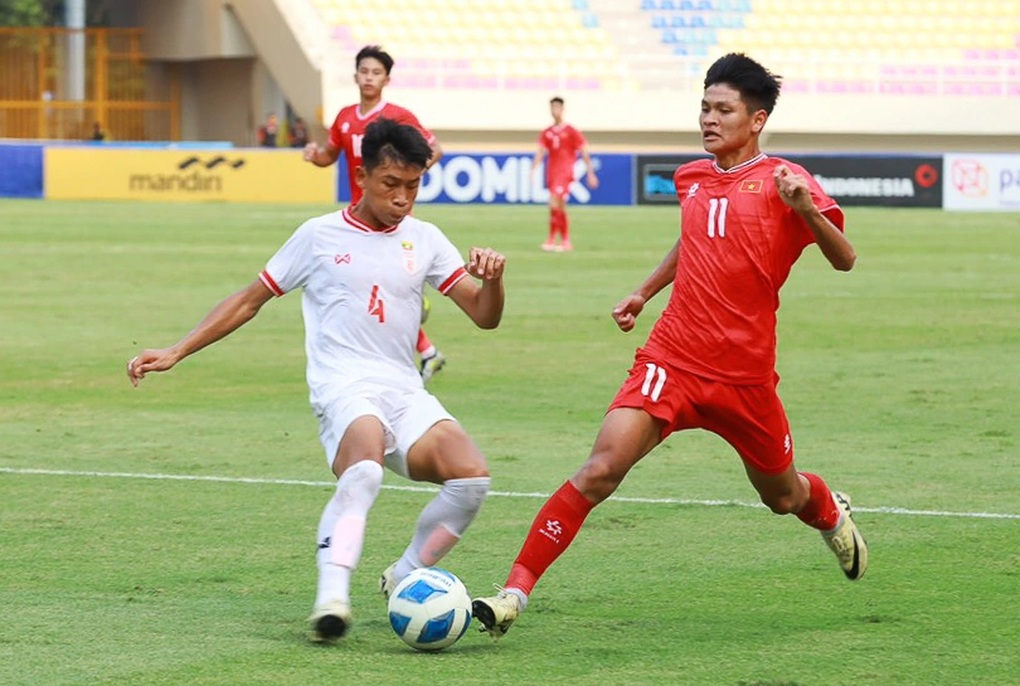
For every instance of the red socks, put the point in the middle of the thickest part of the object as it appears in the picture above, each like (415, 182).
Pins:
(423, 341)
(551, 533)
(558, 224)
(561, 518)
(820, 512)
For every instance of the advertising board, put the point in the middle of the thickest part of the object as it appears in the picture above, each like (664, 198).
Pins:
(191, 175)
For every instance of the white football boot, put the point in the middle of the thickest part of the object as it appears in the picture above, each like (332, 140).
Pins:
(847, 542)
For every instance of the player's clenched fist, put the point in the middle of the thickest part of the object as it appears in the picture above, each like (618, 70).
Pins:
(627, 310)
(311, 151)
(150, 361)
(486, 264)
(793, 188)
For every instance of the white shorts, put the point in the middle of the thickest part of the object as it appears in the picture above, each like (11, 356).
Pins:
(405, 415)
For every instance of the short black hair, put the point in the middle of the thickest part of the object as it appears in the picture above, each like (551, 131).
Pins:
(385, 139)
(374, 52)
(556, 99)
(758, 87)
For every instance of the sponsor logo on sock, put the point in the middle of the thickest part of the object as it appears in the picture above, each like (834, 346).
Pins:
(552, 530)
(326, 542)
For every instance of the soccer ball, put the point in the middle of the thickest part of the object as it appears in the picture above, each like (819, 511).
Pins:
(430, 609)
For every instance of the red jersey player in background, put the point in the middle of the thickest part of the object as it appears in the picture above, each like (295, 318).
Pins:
(561, 142)
(709, 361)
(372, 67)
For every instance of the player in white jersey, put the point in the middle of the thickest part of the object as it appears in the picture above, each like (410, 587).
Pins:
(362, 272)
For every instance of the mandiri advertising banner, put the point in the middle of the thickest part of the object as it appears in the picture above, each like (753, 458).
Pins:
(188, 175)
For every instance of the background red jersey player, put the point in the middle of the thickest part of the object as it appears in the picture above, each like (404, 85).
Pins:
(709, 361)
(561, 142)
(372, 67)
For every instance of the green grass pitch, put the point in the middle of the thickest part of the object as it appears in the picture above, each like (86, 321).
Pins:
(900, 379)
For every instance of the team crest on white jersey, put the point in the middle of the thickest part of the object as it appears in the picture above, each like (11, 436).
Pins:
(410, 265)
(693, 189)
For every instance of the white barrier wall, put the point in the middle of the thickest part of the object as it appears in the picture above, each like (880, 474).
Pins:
(981, 182)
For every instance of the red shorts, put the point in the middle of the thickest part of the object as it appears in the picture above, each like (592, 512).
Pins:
(749, 418)
(559, 186)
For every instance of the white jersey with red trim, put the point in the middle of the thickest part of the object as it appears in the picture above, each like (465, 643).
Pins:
(362, 297)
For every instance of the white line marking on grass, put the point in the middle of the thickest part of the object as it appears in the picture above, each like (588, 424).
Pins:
(501, 494)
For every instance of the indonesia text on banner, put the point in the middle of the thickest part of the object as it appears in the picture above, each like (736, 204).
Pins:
(73, 173)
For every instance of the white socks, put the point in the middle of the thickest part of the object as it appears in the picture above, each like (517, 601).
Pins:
(342, 529)
(442, 523)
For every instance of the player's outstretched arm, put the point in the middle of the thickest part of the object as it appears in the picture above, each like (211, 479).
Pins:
(536, 161)
(483, 303)
(225, 318)
(794, 191)
(591, 177)
(627, 310)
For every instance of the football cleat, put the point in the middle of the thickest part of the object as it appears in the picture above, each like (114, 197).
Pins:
(566, 246)
(497, 613)
(847, 542)
(387, 581)
(330, 621)
(549, 246)
(431, 365)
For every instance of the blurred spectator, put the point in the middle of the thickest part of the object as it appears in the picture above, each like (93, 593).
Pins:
(298, 134)
(268, 132)
(98, 133)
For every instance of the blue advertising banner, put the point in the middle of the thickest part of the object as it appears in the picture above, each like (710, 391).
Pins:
(22, 175)
(507, 179)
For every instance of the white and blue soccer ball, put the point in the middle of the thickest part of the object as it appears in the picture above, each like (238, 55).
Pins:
(430, 609)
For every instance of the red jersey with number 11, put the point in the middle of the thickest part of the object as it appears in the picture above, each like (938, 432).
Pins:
(738, 243)
(349, 128)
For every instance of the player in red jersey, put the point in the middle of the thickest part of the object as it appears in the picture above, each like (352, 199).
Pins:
(561, 142)
(709, 361)
(372, 67)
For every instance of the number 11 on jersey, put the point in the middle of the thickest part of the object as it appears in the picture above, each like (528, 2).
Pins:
(717, 217)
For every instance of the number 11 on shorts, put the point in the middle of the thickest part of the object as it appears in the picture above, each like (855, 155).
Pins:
(655, 379)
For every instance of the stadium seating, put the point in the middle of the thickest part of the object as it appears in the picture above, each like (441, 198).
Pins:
(479, 44)
(911, 47)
